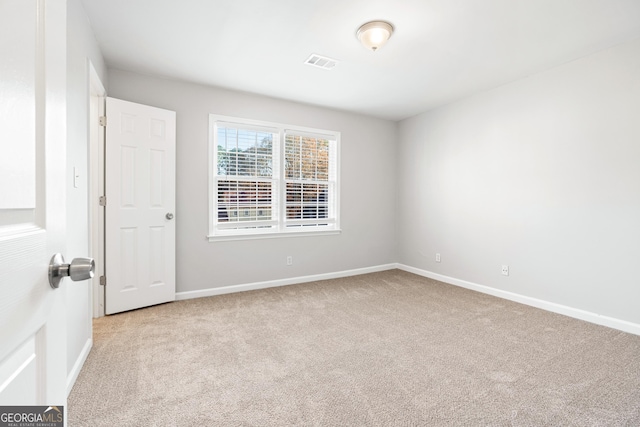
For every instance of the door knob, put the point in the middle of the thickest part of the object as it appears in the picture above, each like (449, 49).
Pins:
(169, 216)
(79, 269)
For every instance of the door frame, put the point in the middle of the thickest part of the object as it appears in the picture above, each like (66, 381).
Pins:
(97, 99)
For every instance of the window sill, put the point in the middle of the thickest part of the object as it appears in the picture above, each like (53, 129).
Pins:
(256, 236)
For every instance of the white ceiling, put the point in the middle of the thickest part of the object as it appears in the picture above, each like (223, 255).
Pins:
(441, 50)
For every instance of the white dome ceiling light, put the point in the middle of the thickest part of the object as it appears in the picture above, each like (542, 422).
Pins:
(374, 34)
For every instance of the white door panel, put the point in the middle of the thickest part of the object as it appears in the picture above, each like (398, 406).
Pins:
(140, 190)
(32, 201)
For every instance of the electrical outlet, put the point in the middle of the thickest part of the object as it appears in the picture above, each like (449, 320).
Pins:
(505, 270)
(437, 257)
(289, 260)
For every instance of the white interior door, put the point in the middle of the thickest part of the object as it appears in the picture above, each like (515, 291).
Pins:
(32, 201)
(140, 190)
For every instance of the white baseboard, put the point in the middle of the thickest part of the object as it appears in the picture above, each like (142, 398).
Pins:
(282, 282)
(576, 313)
(77, 367)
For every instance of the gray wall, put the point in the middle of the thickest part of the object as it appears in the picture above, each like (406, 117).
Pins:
(368, 187)
(81, 46)
(543, 175)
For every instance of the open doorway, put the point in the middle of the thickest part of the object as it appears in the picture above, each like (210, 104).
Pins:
(119, 170)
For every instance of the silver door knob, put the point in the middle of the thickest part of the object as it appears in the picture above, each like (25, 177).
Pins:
(79, 269)
(169, 216)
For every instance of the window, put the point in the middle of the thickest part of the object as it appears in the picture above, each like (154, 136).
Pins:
(271, 180)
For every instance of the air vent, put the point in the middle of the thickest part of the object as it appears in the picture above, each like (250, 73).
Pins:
(321, 62)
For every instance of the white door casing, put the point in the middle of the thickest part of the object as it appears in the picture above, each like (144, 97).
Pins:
(97, 100)
(32, 201)
(139, 220)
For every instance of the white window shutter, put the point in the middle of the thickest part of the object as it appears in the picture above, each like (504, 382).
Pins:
(272, 179)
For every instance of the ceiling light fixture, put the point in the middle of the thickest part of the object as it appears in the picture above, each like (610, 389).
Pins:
(374, 34)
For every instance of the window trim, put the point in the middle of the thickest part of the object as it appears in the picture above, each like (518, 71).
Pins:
(281, 230)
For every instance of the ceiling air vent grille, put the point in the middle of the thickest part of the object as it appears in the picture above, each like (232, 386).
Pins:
(321, 62)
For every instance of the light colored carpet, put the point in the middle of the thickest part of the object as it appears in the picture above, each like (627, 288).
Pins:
(383, 349)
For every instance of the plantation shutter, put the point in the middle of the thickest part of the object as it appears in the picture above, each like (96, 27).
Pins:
(245, 182)
(269, 180)
(310, 179)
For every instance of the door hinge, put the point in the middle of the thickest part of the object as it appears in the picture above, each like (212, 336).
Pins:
(102, 201)
(103, 280)
(103, 120)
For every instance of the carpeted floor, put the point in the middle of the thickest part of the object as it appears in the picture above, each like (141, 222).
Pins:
(383, 349)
